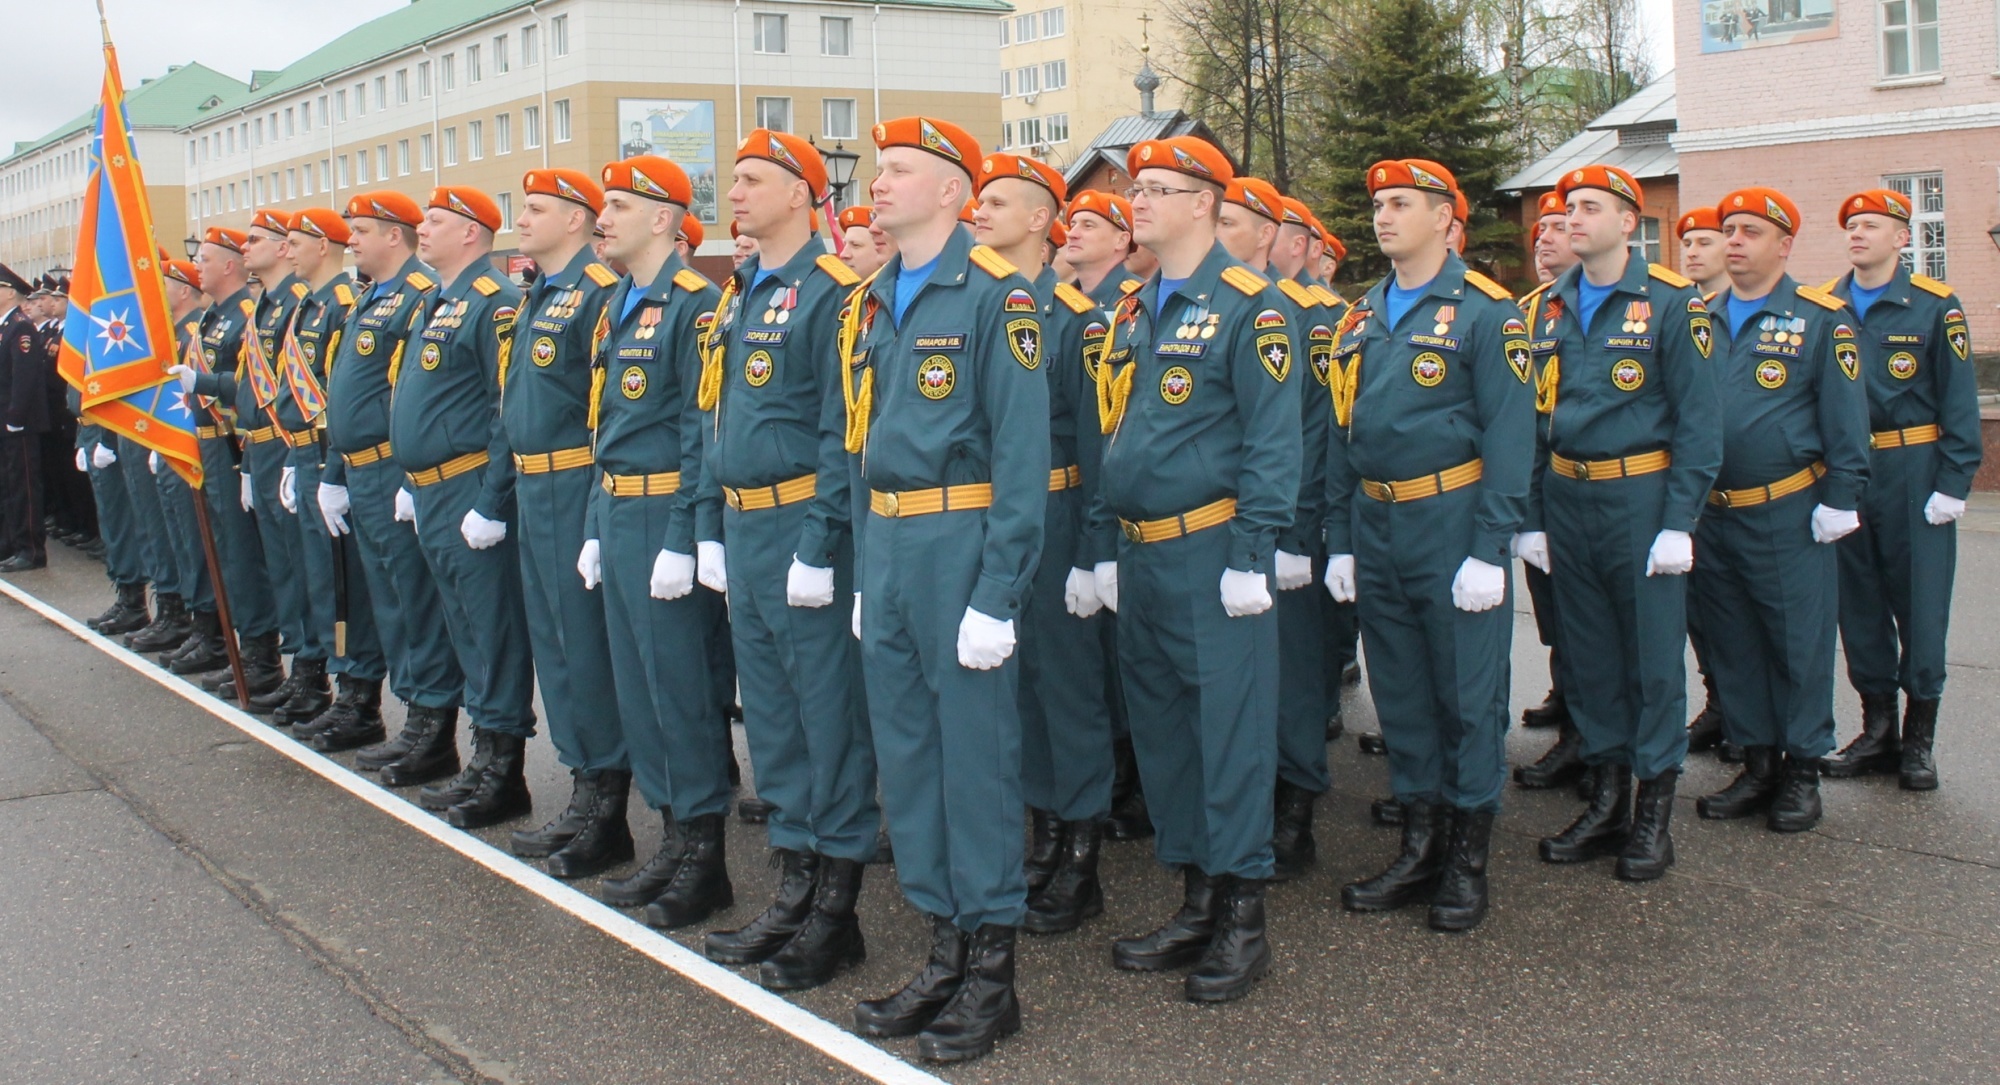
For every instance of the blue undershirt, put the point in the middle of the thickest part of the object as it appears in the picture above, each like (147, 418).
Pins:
(1398, 300)
(1589, 299)
(633, 296)
(1741, 310)
(1862, 297)
(1167, 287)
(909, 280)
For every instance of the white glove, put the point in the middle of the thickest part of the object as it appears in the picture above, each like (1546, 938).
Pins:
(1340, 577)
(103, 457)
(673, 575)
(1104, 576)
(1532, 547)
(1672, 554)
(984, 643)
(406, 507)
(288, 488)
(185, 374)
(15, 429)
(1478, 586)
(481, 533)
(82, 461)
(713, 573)
(589, 564)
(1080, 593)
(1244, 594)
(1294, 571)
(153, 461)
(333, 506)
(1833, 525)
(1942, 509)
(857, 615)
(248, 494)
(808, 586)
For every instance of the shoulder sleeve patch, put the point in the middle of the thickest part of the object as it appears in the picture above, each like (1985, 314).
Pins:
(1077, 300)
(1244, 280)
(1300, 296)
(300, 290)
(840, 273)
(1930, 286)
(1130, 286)
(1668, 275)
(601, 275)
(420, 280)
(486, 287)
(1487, 286)
(690, 280)
(992, 263)
(1823, 300)
(1326, 297)
(344, 294)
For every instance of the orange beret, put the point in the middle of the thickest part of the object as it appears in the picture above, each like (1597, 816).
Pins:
(942, 138)
(1460, 210)
(1607, 178)
(387, 205)
(185, 272)
(1414, 173)
(1333, 244)
(229, 239)
(692, 233)
(1182, 154)
(1551, 203)
(965, 212)
(276, 222)
(1058, 234)
(996, 166)
(1765, 203)
(322, 222)
(735, 231)
(1876, 201)
(1293, 212)
(467, 201)
(861, 215)
(650, 176)
(1255, 195)
(790, 152)
(1701, 218)
(575, 186)
(1113, 209)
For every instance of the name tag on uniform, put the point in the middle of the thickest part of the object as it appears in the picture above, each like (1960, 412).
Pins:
(1441, 342)
(926, 344)
(1628, 342)
(1181, 349)
(435, 334)
(1902, 339)
(768, 337)
(637, 352)
(1544, 346)
(1781, 350)
(544, 324)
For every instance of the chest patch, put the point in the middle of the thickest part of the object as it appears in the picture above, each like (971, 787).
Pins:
(1771, 373)
(1902, 365)
(365, 342)
(1176, 385)
(1627, 375)
(632, 382)
(757, 368)
(936, 377)
(544, 351)
(1428, 369)
(431, 356)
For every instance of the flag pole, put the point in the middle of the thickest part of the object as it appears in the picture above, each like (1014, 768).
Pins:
(104, 24)
(221, 595)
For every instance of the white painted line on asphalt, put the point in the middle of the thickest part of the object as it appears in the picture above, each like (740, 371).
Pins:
(816, 1032)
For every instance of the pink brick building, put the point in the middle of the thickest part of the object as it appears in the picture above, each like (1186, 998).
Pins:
(1832, 96)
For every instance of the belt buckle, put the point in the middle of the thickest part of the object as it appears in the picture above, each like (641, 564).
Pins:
(891, 506)
(1582, 470)
(1389, 492)
(1132, 531)
(1725, 502)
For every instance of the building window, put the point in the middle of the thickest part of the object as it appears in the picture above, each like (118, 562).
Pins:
(839, 119)
(506, 202)
(1925, 256)
(1005, 23)
(306, 114)
(340, 105)
(381, 161)
(836, 36)
(1006, 82)
(381, 93)
(360, 167)
(260, 131)
(448, 72)
(1645, 243)
(229, 140)
(1909, 38)
(769, 33)
(403, 158)
(340, 174)
(473, 71)
(361, 99)
(232, 194)
(423, 79)
(502, 63)
(1055, 74)
(1026, 27)
(402, 86)
(450, 137)
(531, 127)
(306, 180)
(1028, 80)
(1052, 23)
(292, 184)
(262, 197)
(475, 140)
(325, 175)
(291, 127)
(503, 134)
(531, 45)
(559, 36)
(1006, 133)
(1030, 131)
(775, 114)
(559, 121)
(1056, 127)
(426, 154)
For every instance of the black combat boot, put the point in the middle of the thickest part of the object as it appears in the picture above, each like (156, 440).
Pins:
(302, 670)
(830, 938)
(1460, 901)
(336, 711)
(1552, 712)
(1561, 766)
(755, 811)
(1074, 893)
(651, 879)
(984, 1008)
(1603, 827)
(502, 792)
(1729, 753)
(127, 614)
(209, 652)
(606, 837)
(416, 721)
(701, 882)
(1876, 749)
(1185, 937)
(445, 794)
(1919, 765)
(1413, 874)
(1129, 819)
(432, 753)
(1649, 850)
(917, 1002)
(1705, 730)
(757, 940)
(1336, 720)
(1371, 742)
(1045, 846)
(263, 669)
(169, 627)
(360, 726)
(312, 697)
(1239, 955)
(1386, 812)
(550, 838)
(1752, 790)
(1796, 807)
(1292, 843)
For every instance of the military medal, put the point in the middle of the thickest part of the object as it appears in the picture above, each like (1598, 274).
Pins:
(1445, 314)
(1209, 327)
(1636, 315)
(790, 296)
(648, 321)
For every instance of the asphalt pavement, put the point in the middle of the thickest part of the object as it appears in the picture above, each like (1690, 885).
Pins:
(182, 903)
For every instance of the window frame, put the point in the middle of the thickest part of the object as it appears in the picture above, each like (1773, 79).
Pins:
(826, 120)
(763, 102)
(760, 42)
(1911, 30)
(559, 36)
(560, 130)
(827, 22)
(1917, 256)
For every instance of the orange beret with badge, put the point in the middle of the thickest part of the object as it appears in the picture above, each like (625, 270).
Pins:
(1701, 218)
(229, 239)
(321, 222)
(790, 152)
(942, 138)
(387, 205)
(575, 186)
(650, 176)
(1333, 245)
(1293, 212)
(1876, 201)
(1766, 203)
(468, 201)
(862, 216)
(1115, 210)
(271, 222)
(1256, 195)
(1604, 178)
(996, 166)
(185, 271)
(692, 232)
(1058, 234)
(1550, 204)
(1460, 210)
(1417, 173)
(1197, 158)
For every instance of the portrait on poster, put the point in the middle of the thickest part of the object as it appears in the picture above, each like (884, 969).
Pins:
(680, 130)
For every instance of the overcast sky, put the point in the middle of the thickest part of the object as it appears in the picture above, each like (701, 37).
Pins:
(50, 72)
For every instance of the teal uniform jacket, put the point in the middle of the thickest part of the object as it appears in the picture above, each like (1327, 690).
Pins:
(1305, 682)
(1438, 390)
(1203, 392)
(649, 423)
(777, 442)
(1100, 532)
(1896, 572)
(1342, 635)
(1637, 381)
(1792, 398)
(316, 326)
(362, 371)
(958, 398)
(264, 461)
(253, 607)
(545, 408)
(185, 573)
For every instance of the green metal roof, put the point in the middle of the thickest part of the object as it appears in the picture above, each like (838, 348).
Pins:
(173, 100)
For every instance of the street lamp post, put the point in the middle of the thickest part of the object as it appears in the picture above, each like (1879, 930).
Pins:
(840, 163)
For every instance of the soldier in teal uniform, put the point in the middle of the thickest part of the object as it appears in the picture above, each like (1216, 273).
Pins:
(1427, 482)
(1700, 233)
(1342, 637)
(1896, 571)
(777, 461)
(444, 423)
(1201, 470)
(180, 579)
(1794, 465)
(949, 413)
(640, 537)
(1628, 415)
(546, 408)
(126, 558)
(362, 478)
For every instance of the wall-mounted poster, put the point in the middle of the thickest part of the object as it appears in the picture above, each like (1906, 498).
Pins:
(683, 131)
(1729, 25)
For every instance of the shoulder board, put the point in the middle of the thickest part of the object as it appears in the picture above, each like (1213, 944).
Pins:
(1709, 298)
(601, 275)
(1299, 294)
(1930, 286)
(1325, 296)
(300, 290)
(1821, 299)
(1827, 286)
(1668, 275)
(1536, 292)
(486, 286)
(1077, 300)
(1244, 280)
(343, 293)
(1130, 286)
(839, 272)
(249, 307)
(1487, 286)
(992, 263)
(690, 280)
(420, 280)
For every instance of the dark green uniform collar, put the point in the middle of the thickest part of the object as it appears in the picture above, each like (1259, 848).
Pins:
(1637, 280)
(1448, 285)
(326, 291)
(230, 304)
(662, 287)
(466, 276)
(1897, 292)
(1200, 286)
(949, 270)
(794, 270)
